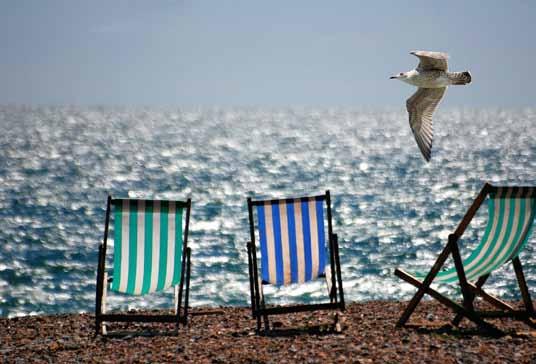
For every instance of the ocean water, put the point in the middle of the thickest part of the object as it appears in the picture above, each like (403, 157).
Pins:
(390, 208)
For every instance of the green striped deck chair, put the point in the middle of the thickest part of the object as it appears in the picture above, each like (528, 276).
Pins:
(294, 249)
(151, 254)
(511, 212)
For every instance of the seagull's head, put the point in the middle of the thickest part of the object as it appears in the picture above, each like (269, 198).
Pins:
(400, 76)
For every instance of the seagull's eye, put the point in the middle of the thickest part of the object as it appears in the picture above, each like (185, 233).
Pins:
(400, 74)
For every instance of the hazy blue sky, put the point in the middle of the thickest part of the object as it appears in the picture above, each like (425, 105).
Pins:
(261, 53)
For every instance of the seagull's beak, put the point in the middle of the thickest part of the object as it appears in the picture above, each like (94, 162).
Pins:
(393, 77)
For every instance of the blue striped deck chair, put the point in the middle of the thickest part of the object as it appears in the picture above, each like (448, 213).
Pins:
(294, 249)
(511, 212)
(151, 254)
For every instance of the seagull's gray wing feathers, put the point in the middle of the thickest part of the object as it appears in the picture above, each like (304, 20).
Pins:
(431, 60)
(421, 106)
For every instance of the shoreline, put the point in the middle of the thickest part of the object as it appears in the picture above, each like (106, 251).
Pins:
(368, 335)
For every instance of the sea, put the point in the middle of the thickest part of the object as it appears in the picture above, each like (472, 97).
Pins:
(390, 208)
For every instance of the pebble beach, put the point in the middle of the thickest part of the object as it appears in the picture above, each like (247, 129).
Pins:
(367, 334)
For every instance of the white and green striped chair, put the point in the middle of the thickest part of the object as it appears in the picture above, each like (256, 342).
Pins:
(511, 215)
(151, 254)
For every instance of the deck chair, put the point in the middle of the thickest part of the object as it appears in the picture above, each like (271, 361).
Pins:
(151, 254)
(293, 250)
(511, 213)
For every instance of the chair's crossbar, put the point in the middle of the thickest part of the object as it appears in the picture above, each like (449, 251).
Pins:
(457, 308)
(140, 318)
(292, 240)
(279, 310)
(518, 314)
(119, 201)
(288, 200)
(511, 217)
(489, 298)
(148, 246)
(499, 191)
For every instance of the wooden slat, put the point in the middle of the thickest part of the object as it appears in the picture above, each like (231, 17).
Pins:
(530, 190)
(467, 296)
(117, 201)
(426, 283)
(339, 274)
(472, 210)
(287, 200)
(480, 282)
(518, 314)
(518, 268)
(251, 283)
(299, 308)
(138, 318)
(489, 298)
(335, 272)
(101, 268)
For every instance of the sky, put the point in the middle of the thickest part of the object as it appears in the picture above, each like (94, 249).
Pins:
(260, 53)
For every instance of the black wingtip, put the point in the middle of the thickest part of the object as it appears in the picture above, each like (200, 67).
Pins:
(467, 76)
(426, 155)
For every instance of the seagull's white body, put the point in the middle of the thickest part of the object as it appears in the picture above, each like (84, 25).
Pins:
(426, 80)
(432, 78)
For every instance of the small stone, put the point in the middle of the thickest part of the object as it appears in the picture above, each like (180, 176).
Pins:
(54, 346)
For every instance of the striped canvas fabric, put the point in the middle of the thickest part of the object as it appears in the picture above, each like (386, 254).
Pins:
(148, 244)
(511, 216)
(292, 240)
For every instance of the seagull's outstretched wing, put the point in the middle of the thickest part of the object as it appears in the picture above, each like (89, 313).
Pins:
(421, 106)
(431, 60)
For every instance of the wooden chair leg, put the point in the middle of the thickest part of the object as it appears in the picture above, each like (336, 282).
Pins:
(479, 283)
(103, 303)
(338, 272)
(102, 290)
(266, 323)
(332, 266)
(176, 307)
(253, 288)
(468, 296)
(523, 286)
(178, 298)
(422, 287)
(187, 291)
(263, 306)
(260, 309)
(330, 288)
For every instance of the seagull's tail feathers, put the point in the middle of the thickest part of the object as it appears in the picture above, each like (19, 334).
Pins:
(459, 78)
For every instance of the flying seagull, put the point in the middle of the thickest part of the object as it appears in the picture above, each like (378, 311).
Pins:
(432, 78)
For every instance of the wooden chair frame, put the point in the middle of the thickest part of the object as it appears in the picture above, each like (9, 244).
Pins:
(103, 281)
(469, 290)
(333, 277)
